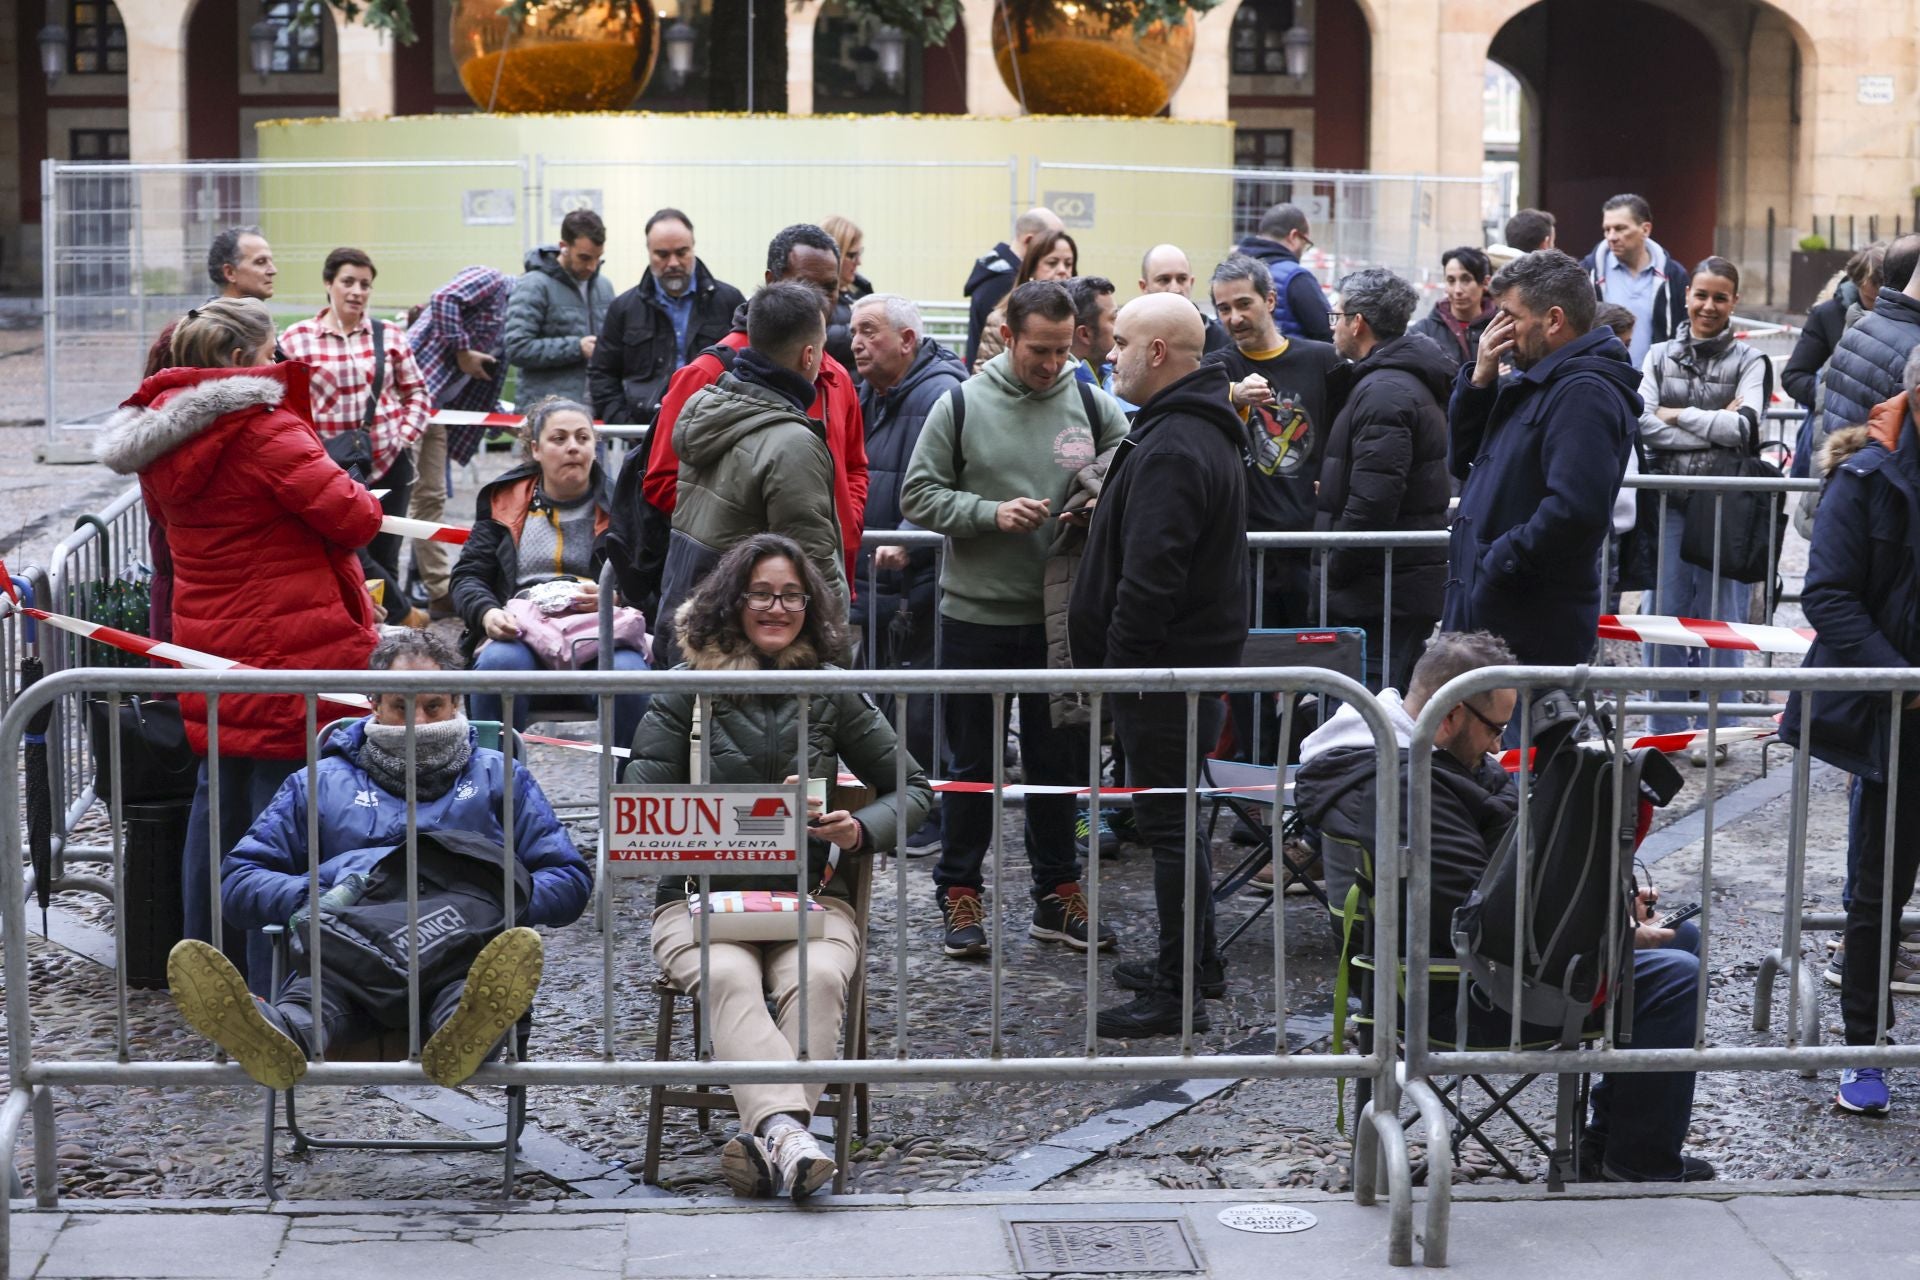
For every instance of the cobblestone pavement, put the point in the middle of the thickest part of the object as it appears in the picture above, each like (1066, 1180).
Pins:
(204, 1143)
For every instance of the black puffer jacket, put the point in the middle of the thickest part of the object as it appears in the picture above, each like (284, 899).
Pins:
(637, 355)
(1434, 325)
(1386, 469)
(1164, 578)
(1811, 351)
(1866, 367)
(893, 420)
(840, 326)
(1472, 809)
(753, 740)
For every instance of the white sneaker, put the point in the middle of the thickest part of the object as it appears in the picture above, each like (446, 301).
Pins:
(803, 1167)
(747, 1166)
(1697, 754)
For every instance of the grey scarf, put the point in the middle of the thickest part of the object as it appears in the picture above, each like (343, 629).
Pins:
(441, 750)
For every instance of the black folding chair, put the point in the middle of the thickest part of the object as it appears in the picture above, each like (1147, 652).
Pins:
(1270, 817)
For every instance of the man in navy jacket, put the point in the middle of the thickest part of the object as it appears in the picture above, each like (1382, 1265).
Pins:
(1863, 600)
(1541, 455)
(361, 802)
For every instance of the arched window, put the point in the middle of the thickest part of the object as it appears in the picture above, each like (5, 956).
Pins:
(1258, 30)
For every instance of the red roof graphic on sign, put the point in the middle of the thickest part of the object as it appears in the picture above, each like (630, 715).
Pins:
(769, 807)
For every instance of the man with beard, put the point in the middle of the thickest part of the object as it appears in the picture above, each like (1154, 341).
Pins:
(1540, 456)
(676, 311)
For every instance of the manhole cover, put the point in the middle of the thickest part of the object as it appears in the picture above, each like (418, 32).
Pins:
(1267, 1219)
(1102, 1247)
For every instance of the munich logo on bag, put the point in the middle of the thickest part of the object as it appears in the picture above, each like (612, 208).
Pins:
(714, 830)
(435, 927)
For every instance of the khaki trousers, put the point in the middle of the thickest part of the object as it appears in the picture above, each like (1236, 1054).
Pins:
(429, 502)
(744, 976)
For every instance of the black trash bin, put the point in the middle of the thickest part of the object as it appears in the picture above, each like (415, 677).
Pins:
(156, 833)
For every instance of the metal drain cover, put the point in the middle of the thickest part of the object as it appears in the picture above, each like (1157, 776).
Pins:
(1103, 1247)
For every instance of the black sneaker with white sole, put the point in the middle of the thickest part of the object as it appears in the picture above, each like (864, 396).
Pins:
(1061, 916)
(965, 921)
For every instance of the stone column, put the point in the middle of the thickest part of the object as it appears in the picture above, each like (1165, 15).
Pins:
(1203, 94)
(156, 79)
(987, 93)
(366, 67)
(801, 20)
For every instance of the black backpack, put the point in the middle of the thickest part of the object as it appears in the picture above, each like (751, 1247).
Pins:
(364, 949)
(1579, 874)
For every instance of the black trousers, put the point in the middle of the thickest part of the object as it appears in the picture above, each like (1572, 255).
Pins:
(344, 1020)
(381, 557)
(1862, 995)
(1047, 755)
(1152, 728)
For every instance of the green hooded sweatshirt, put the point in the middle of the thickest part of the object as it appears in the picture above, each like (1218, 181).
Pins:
(1017, 443)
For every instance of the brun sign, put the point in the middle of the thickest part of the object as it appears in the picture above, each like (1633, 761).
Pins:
(713, 830)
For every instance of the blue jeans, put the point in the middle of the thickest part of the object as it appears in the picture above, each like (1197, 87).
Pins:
(512, 655)
(246, 788)
(1640, 1118)
(1686, 591)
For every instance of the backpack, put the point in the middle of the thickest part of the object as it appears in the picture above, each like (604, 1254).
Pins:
(957, 405)
(1579, 875)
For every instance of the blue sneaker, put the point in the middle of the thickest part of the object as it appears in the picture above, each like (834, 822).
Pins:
(1863, 1092)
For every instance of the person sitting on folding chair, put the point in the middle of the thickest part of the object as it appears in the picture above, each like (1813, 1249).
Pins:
(766, 607)
(1639, 1119)
(361, 794)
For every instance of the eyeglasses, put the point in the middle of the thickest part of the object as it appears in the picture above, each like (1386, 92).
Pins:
(790, 601)
(1306, 243)
(1346, 315)
(1499, 730)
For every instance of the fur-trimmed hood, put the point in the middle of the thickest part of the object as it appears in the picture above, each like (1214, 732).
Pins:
(1883, 427)
(741, 655)
(176, 406)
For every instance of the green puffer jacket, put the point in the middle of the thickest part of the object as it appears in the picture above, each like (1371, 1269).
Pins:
(752, 740)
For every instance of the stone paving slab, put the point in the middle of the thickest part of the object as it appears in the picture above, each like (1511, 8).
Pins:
(1745, 1233)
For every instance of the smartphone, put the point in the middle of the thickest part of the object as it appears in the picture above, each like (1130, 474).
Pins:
(1681, 916)
(816, 789)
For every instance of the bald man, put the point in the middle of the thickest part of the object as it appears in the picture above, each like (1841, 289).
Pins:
(1164, 584)
(992, 276)
(1166, 269)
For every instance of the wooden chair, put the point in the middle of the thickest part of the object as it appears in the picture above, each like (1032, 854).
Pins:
(837, 1099)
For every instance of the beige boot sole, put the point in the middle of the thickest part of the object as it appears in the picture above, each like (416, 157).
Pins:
(500, 987)
(213, 998)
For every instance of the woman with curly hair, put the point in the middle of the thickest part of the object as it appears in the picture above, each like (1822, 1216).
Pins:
(760, 610)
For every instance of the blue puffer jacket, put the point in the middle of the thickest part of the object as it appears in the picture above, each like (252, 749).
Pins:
(264, 880)
(1862, 593)
(1541, 455)
(1865, 368)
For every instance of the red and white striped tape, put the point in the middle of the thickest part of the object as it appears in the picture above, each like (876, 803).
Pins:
(425, 530)
(1704, 633)
(165, 651)
(474, 418)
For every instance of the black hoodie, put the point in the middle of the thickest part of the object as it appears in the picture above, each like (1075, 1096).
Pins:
(1385, 469)
(1164, 579)
(1540, 455)
(990, 280)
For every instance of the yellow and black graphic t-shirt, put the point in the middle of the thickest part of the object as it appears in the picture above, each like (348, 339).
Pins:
(1285, 437)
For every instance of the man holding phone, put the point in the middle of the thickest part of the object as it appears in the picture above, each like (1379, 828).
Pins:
(459, 339)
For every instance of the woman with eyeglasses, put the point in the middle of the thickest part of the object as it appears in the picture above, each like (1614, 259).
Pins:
(758, 611)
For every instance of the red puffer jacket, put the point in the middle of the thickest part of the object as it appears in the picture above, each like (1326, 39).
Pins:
(262, 526)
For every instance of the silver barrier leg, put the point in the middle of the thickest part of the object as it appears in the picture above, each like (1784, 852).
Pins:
(1433, 1248)
(46, 1169)
(1395, 1165)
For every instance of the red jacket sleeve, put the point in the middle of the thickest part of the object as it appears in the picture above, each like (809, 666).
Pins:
(311, 485)
(661, 484)
(848, 440)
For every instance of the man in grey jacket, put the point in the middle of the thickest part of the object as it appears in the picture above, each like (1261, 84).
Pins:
(556, 309)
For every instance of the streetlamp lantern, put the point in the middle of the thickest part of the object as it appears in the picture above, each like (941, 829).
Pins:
(263, 37)
(680, 39)
(891, 44)
(53, 51)
(1297, 47)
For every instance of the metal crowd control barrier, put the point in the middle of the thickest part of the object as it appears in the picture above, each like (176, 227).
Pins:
(35, 1070)
(1611, 688)
(108, 547)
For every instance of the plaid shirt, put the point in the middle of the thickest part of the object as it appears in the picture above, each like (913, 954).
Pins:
(468, 313)
(342, 376)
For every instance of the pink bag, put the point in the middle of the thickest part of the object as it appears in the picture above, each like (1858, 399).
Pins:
(571, 641)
